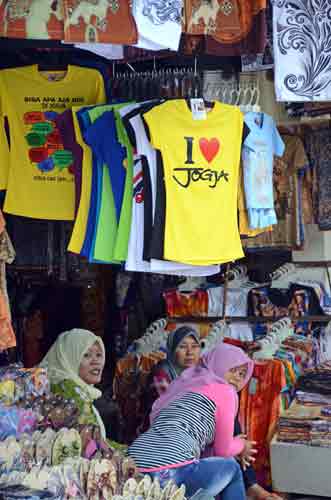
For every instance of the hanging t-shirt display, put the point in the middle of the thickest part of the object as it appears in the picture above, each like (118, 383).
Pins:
(201, 166)
(143, 230)
(260, 146)
(40, 182)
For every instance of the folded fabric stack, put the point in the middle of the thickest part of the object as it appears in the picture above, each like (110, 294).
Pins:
(317, 381)
(294, 431)
(310, 398)
(305, 424)
(308, 420)
(321, 433)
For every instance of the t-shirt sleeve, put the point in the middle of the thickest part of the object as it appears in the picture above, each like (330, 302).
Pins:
(4, 148)
(152, 121)
(278, 144)
(225, 444)
(101, 93)
(95, 137)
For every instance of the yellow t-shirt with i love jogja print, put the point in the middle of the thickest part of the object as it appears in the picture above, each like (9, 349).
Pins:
(201, 167)
(40, 181)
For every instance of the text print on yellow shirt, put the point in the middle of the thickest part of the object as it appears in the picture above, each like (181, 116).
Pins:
(41, 175)
(209, 149)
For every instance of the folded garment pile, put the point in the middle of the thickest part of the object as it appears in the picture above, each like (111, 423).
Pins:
(308, 420)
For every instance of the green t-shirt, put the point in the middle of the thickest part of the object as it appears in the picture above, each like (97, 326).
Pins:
(111, 239)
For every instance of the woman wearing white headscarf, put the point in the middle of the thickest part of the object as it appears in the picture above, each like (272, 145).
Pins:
(75, 364)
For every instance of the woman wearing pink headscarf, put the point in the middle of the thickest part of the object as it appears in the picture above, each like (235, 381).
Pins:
(198, 411)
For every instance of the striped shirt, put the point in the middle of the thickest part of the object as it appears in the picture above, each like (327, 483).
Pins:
(179, 433)
(183, 429)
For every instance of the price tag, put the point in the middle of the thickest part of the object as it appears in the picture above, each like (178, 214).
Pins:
(198, 109)
(252, 386)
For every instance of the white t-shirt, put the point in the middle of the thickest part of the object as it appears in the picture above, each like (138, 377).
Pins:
(106, 50)
(134, 261)
(236, 305)
(158, 23)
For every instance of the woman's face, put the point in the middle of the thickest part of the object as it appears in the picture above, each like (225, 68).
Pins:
(188, 352)
(92, 365)
(236, 376)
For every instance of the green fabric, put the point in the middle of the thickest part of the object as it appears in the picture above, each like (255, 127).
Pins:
(123, 233)
(69, 390)
(106, 230)
(112, 239)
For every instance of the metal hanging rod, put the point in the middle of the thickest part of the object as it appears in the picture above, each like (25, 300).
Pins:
(249, 319)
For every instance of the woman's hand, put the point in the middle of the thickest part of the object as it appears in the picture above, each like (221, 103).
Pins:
(247, 456)
(256, 492)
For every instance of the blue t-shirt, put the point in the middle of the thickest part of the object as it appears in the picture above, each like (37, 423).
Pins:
(84, 122)
(259, 148)
(101, 136)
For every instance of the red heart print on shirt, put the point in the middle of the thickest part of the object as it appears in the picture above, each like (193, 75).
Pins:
(209, 148)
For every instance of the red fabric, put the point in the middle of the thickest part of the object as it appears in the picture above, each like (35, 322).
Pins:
(260, 405)
(186, 304)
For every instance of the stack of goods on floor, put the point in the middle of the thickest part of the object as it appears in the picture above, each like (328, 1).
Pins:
(81, 479)
(44, 448)
(308, 420)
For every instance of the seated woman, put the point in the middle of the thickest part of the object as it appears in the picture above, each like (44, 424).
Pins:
(199, 410)
(184, 351)
(75, 364)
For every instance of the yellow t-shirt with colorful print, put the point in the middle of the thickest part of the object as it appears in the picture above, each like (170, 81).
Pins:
(40, 182)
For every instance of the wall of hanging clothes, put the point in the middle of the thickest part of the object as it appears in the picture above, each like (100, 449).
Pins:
(284, 343)
(114, 181)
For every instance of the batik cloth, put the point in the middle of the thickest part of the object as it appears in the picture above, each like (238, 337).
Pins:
(99, 21)
(302, 50)
(233, 27)
(318, 147)
(35, 19)
(289, 173)
(260, 405)
(186, 304)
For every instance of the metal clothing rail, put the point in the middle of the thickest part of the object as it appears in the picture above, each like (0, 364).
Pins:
(249, 319)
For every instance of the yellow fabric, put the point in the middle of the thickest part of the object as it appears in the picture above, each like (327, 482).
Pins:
(79, 229)
(40, 184)
(244, 228)
(4, 154)
(201, 203)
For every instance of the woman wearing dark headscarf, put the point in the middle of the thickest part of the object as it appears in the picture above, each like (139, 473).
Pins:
(183, 351)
